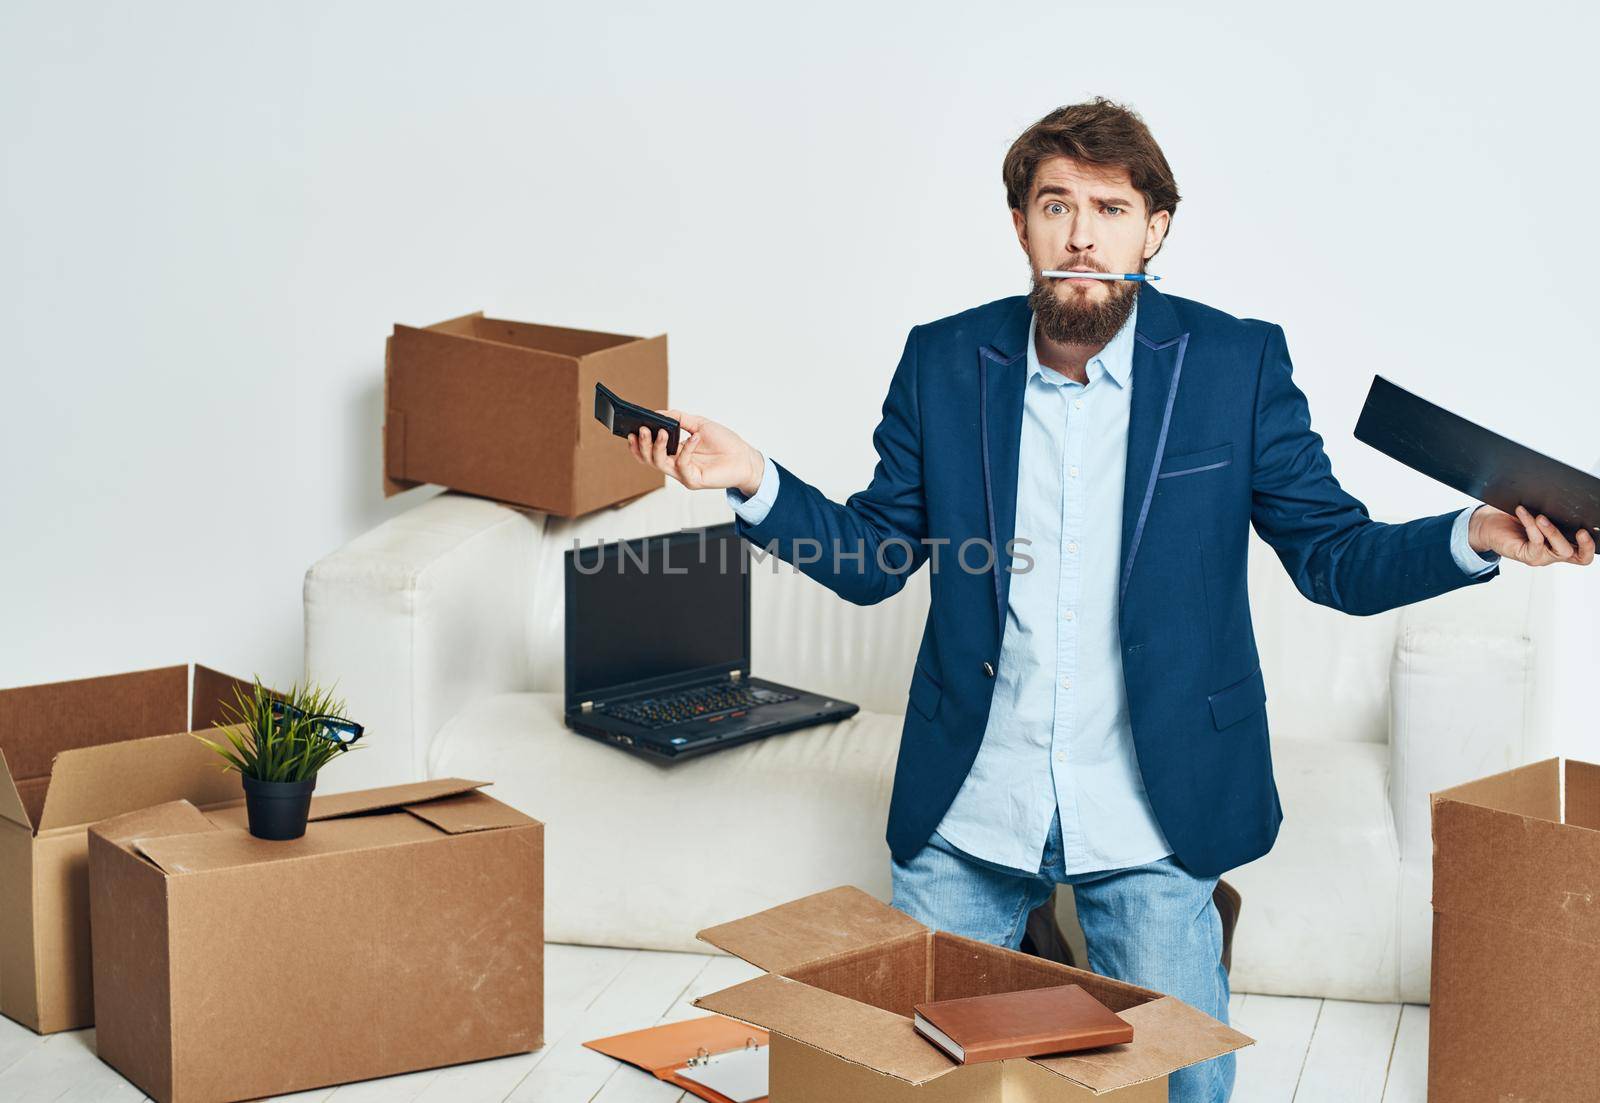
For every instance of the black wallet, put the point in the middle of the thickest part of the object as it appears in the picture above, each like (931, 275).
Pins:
(624, 418)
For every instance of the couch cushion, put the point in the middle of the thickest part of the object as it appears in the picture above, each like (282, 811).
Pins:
(644, 855)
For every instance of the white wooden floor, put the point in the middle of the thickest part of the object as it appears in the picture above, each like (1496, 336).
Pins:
(1306, 1051)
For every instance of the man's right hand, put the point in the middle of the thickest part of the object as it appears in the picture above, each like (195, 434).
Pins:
(710, 456)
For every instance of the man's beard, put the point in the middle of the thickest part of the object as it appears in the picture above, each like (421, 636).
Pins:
(1081, 323)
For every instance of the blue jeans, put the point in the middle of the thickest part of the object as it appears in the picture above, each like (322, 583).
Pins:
(1152, 925)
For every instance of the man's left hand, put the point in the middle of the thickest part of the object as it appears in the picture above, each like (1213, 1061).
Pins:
(1527, 539)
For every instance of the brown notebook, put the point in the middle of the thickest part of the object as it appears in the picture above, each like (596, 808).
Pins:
(1020, 1024)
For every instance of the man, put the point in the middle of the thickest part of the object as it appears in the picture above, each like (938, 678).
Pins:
(1087, 705)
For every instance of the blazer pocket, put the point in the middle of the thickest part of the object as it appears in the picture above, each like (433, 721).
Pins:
(1239, 701)
(925, 693)
(1192, 463)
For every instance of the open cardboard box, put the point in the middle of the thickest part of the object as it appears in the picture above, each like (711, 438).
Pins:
(404, 931)
(505, 410)
(1515, 1010)
(72, 753)
(843, 971)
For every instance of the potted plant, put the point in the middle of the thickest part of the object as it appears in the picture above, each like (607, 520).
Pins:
(277, 742)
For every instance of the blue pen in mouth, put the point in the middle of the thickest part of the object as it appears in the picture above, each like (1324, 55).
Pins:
(1071, 274)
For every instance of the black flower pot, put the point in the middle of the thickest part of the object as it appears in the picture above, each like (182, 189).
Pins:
(278, 809)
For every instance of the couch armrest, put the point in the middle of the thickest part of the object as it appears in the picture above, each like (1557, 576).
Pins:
(1462, 706)
(415, 619)
(1462, 700)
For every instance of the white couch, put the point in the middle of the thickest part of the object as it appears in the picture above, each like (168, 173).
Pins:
(443, 629)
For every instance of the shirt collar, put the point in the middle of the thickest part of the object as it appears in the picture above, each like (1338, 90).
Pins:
(1115, 360)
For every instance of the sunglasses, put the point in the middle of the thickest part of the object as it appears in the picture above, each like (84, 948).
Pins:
(335, 729)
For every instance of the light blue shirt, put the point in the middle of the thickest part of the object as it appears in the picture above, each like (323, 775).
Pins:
(1058, 736)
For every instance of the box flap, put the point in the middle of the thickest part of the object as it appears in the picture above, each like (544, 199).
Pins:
(1582, 795)
(391, 797)
(394, 446)
(1168, 1035)
(559, 340)
(465, 324)
(1523, 876)
(219, 848)
(11, 806)
(211, 691)
(221, 840)
(394, 480)
(129, 830)
(811, 928)
(39, 722)
(1531, 790)
(472, 811)
(92, 783)
(857, 1032)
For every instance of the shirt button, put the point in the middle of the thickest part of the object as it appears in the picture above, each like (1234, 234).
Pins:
(1078, 405)
(1068, 614)
(1072, 548)
(1066, 683)
(1073, 472)
(1061, 756)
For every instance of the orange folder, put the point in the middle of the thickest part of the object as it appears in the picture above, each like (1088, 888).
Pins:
(665, 1050)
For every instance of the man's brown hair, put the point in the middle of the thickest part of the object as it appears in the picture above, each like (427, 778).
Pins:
(1099, 132)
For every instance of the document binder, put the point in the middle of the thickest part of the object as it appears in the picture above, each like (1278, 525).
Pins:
(670, 1050)
(1489, 467)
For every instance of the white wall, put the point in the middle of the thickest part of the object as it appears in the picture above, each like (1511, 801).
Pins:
(212, 214)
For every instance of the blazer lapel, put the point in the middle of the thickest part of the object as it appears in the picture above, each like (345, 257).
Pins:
(1158, 348)
(1002, 382)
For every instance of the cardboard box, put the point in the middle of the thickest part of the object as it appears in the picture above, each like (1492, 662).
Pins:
(844, 970)
(404, 931)
(72, 753)
(505, 410)
(1516, 936)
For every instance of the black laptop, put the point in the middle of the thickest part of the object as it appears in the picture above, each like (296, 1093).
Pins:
(658, 648)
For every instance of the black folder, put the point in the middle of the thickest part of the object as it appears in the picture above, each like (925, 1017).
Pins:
(1476, 461)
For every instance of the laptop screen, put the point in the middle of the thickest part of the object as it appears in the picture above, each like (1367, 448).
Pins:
(659, 607)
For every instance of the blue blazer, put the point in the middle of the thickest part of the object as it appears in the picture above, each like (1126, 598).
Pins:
(1219, 439)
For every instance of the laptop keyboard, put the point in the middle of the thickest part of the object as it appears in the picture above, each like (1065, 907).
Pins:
(692, 704)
